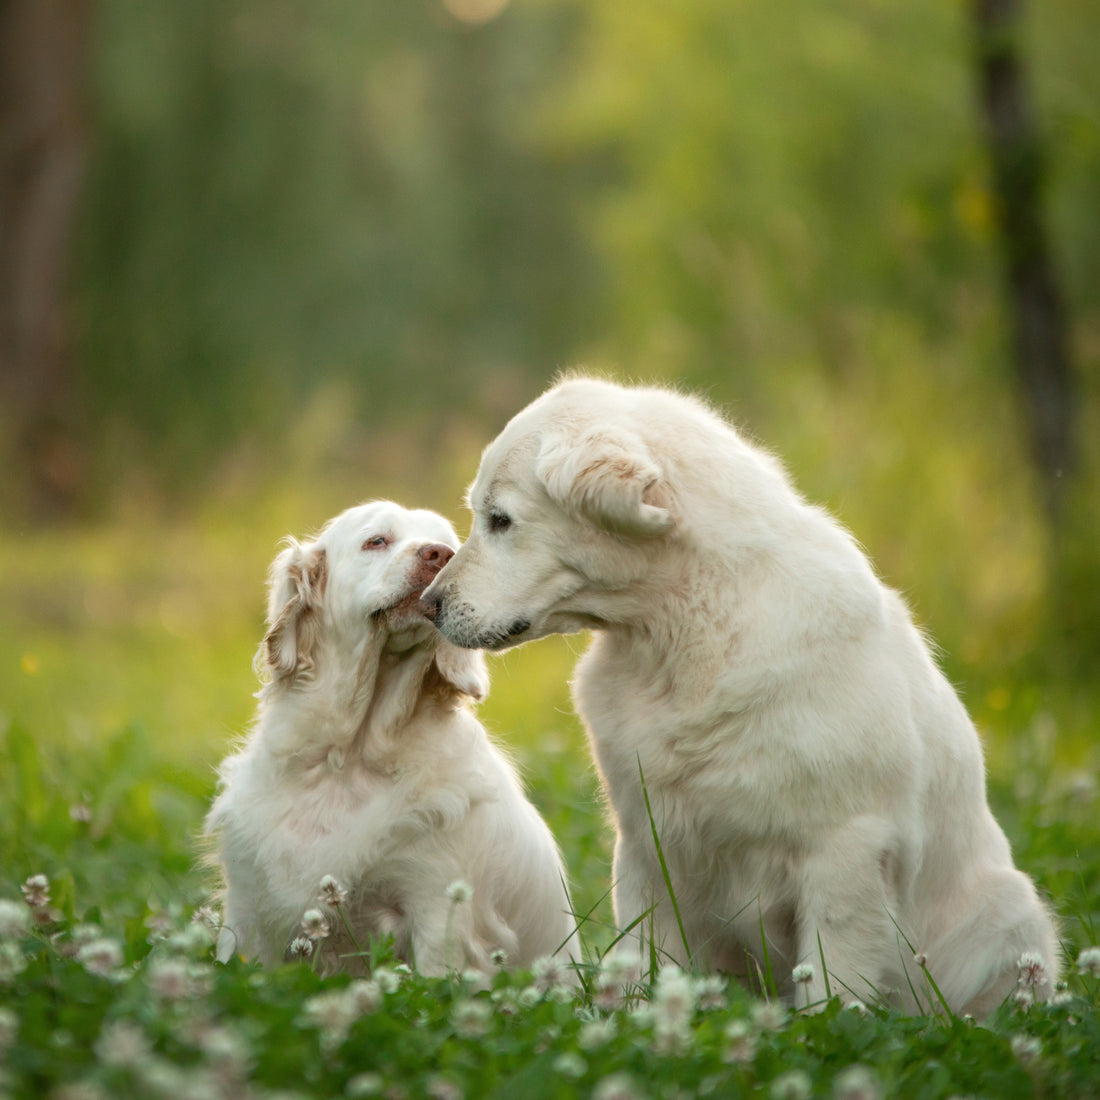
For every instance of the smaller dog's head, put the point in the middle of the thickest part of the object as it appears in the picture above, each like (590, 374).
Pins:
(353, 594)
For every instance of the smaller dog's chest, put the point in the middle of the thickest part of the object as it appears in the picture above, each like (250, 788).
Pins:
(375, 817)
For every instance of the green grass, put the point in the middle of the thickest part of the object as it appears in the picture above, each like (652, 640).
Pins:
(125, 673)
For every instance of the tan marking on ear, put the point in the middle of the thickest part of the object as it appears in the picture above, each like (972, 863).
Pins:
(289, 647)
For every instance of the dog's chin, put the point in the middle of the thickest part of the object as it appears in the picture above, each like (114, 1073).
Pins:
(498, 638)
(406, 625)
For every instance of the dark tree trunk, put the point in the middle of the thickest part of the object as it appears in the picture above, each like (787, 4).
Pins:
(43, 141)
(1040, 345)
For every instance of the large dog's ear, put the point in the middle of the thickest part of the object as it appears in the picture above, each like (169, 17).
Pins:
(610, 478)
(464, 669)
(296, 586)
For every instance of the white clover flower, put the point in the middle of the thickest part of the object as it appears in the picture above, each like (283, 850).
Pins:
(301, 947)
(674, 995)
(365, 996)
(470, 1018)
(365, 1084)
(161, 1078)
(389, 980)
(620, 971)
(102, 956)
(12, 962)
(506, 1001)
(550, 972)
(14, 920)
(460, 891)
(1026, 1049)
(9, 1029)
(858, 1007)
(795, 1085)
(607, 995)
(740, 1042)
(169, 979)
(570, 1064)
(80, 1090)
(159, 925)
(596, 1034)
(331, 1013)
(1033, 972)
(803, 974)
(622, 967)
(499, 957)
(921, 959)
(208, 915)
(123, 1044)
(857, 1083)
(1023, 998)
(671, 1031)
(193, 939)
(768, 1015)
(227, 1052)
(36, 891)
(1088, 962)
(332, 893)
(443, 1088)
(618, 1086)
(80, 934)
(314, 925)
(529, 996)
(710, 992)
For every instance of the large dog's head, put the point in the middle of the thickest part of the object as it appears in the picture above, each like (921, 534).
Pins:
(351, 596)
(569, 504)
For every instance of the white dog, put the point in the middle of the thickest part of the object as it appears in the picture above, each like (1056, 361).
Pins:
(366, 765)
(815, 784)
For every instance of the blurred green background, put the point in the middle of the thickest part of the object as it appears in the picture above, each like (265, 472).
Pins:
(318, 252)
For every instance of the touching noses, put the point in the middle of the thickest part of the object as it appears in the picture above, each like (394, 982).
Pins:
(429, 560)
(432, 558)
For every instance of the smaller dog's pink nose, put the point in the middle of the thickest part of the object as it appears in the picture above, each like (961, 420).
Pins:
(435, 555)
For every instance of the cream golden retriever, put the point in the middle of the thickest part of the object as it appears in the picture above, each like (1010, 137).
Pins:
(815, 784)
(366, 768)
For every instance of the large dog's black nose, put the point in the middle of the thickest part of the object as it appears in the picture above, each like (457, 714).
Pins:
(429, 606)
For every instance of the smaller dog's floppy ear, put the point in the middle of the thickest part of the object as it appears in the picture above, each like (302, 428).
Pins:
(296, 586)
(464, 669)
(610, 478)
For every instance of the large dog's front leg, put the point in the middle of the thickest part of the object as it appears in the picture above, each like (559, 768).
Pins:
(642, 904)
(848, 941)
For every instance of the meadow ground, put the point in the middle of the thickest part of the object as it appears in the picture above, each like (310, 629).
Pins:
(125, 673)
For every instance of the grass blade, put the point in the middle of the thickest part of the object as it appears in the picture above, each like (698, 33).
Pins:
(824, 970)
(769, 977)
(664, 865)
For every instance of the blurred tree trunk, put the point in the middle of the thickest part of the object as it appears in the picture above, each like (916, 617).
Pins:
(43, 142)
(1040, 345)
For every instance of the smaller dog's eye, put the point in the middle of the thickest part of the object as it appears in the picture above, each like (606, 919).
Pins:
(498, 521)
(376, 542)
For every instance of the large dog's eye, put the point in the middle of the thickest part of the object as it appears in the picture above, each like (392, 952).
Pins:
(498, 521)
(376, 542)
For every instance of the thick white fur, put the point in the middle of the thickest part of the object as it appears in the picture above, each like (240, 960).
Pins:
(810, 770)
(365, 763)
